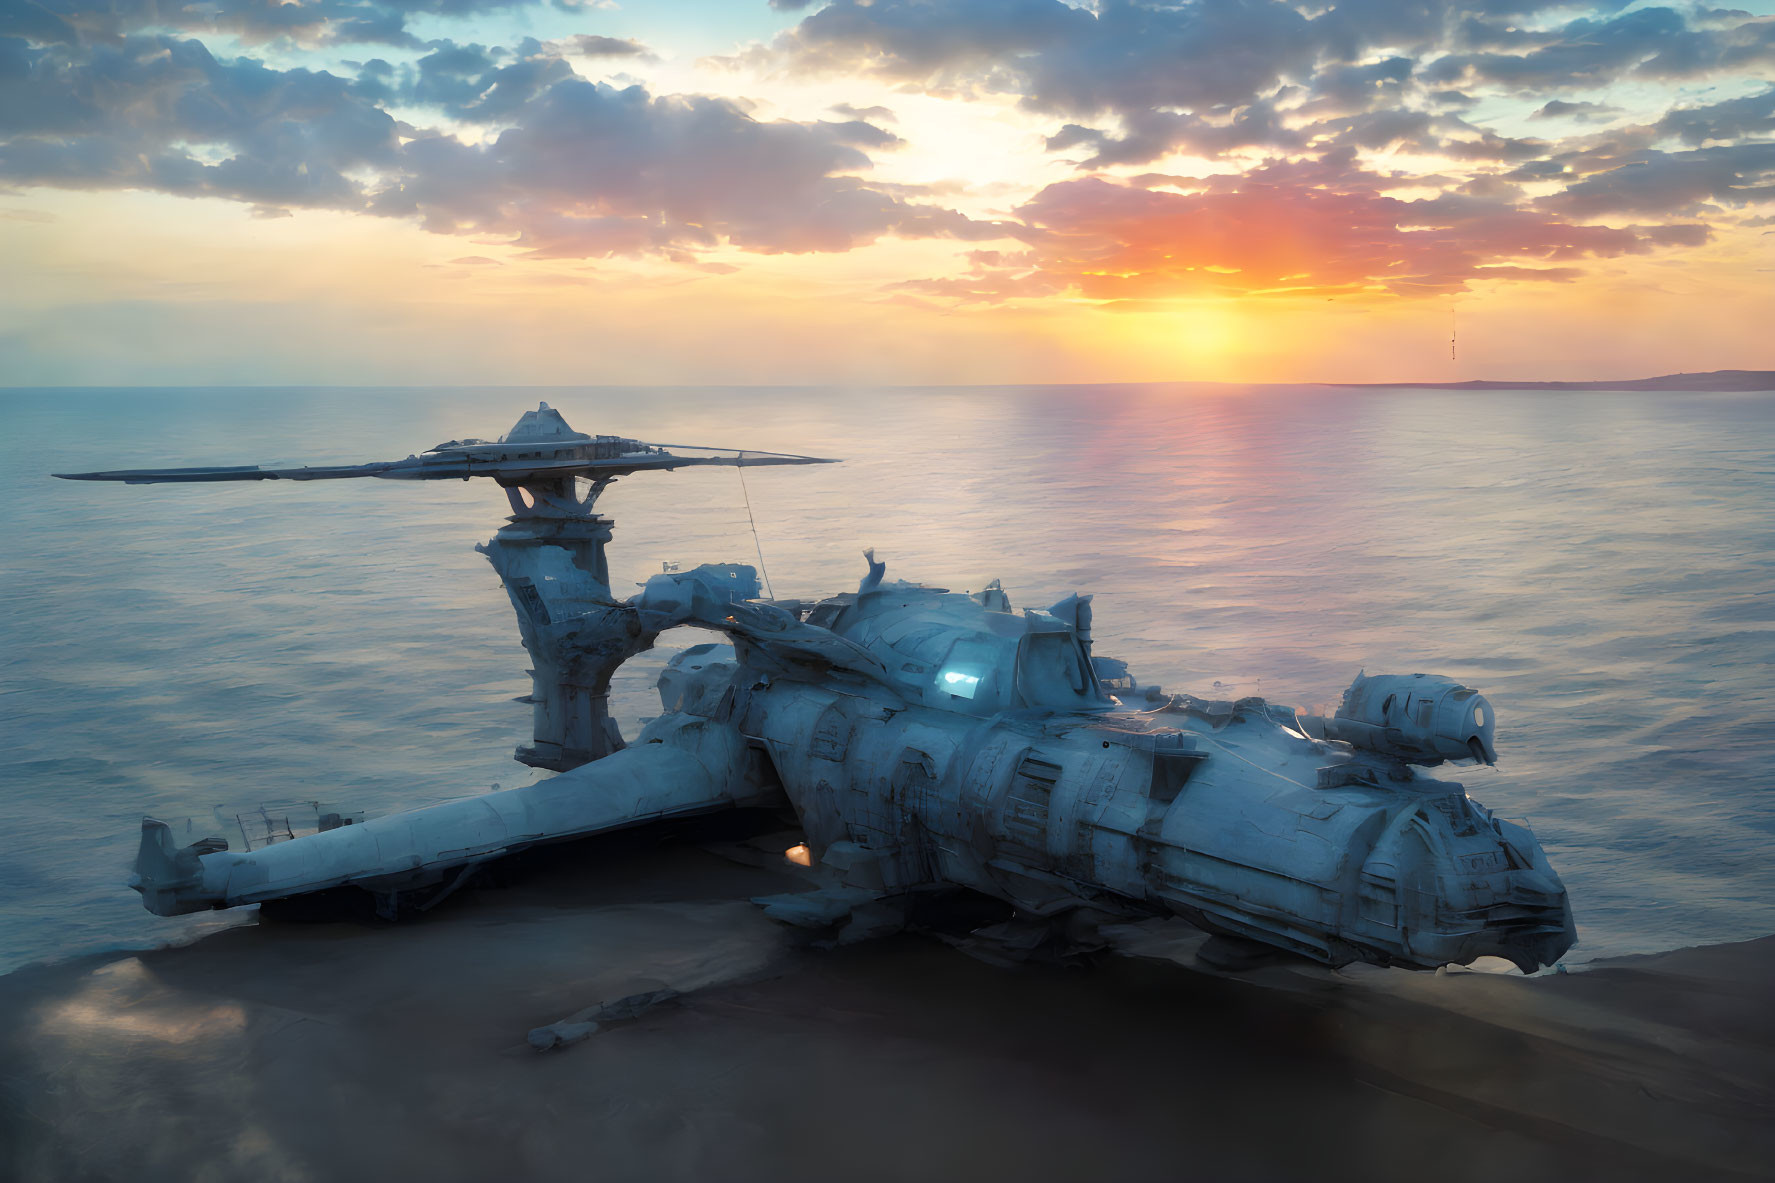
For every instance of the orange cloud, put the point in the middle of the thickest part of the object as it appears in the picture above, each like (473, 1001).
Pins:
(1303, 228)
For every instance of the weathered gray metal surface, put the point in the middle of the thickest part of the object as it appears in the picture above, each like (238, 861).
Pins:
(1040, 790)
(539, 452)
(931, 740)
(684, 766)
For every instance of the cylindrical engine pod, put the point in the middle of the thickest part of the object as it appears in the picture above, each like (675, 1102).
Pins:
(1415, 716)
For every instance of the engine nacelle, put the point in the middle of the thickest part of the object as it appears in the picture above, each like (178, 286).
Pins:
(1418, 718)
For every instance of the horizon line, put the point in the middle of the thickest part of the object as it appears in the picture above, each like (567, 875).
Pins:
(1593, 385)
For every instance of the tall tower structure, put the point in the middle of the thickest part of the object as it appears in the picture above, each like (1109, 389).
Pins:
(549, 555)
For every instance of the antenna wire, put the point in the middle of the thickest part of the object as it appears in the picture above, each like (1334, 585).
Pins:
(741, 466)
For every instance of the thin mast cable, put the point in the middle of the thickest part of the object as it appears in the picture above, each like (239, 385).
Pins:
(741, 467)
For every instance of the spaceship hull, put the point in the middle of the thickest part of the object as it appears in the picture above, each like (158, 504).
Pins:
(1060, 815)
(928, 740)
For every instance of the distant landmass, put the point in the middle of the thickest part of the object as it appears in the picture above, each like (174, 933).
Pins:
(1713, 380)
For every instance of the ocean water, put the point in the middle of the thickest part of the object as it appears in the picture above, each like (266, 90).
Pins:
(1599, 564)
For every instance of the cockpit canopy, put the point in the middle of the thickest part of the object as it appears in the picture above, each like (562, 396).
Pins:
(968, 654)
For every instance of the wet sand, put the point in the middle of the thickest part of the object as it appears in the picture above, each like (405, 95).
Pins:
(351, 1050)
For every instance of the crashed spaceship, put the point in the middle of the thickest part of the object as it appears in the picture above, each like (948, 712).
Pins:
(927, 741)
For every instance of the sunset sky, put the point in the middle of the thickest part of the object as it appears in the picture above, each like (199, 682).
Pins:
(897, 191)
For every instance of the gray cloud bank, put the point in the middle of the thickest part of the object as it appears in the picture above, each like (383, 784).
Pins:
(1137, 80)
(566, 167)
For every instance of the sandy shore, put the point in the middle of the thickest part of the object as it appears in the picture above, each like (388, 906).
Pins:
(351, 1050)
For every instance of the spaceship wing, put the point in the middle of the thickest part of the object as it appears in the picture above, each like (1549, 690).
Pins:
(409, 855)
(437, 466)
(240, 472)
(671, 460)
(747, 456)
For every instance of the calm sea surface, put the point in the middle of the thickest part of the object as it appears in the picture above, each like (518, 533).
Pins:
(1599, 564)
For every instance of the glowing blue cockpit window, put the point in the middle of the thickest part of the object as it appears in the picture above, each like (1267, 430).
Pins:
(958, 682)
